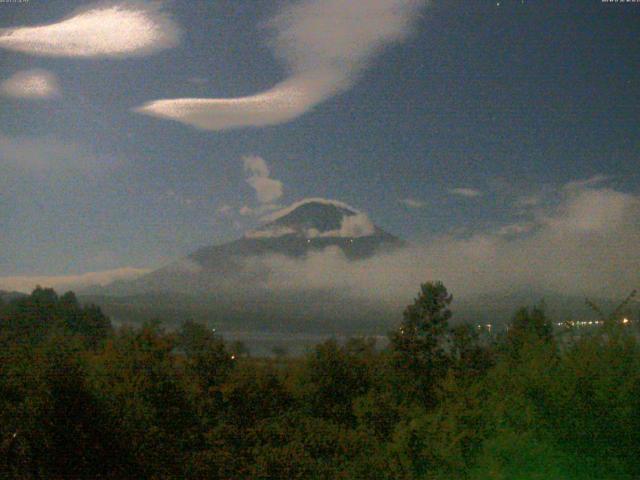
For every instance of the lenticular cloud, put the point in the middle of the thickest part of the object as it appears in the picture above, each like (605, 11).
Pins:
(325, 44)
(104, 30)
(284, 102)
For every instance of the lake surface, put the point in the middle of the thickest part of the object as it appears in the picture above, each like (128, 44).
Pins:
(263, 343)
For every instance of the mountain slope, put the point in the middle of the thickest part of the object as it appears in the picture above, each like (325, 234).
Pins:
(311, 226)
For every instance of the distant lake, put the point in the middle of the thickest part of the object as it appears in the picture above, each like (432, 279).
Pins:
(262, 343)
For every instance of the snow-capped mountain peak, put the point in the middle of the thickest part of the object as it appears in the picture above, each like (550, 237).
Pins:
(316, 217)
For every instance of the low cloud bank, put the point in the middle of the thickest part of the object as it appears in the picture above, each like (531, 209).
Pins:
(61, 283)
(585, 245)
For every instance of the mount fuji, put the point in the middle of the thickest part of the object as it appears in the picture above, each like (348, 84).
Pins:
(228, 284)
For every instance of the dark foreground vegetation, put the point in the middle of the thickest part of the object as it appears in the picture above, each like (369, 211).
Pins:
(80, 400)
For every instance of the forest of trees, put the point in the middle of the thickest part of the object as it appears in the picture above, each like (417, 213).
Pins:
(81, 399)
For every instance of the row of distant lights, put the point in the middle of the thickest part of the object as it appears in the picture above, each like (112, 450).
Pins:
(573, 323)
(309, 240)
(576, 323)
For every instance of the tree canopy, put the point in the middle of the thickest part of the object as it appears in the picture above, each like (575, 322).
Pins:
(80, 399)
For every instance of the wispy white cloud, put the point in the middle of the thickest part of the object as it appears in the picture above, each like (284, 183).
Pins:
(256, 166)
(325, 44)
(267, 189)
(358, 225)
(286, 101)
(34, 84)
(114, 29)
(465, 192)
(69, 282)
(412, 203)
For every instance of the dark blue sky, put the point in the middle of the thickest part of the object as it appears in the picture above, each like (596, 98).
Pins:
(511, 100)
